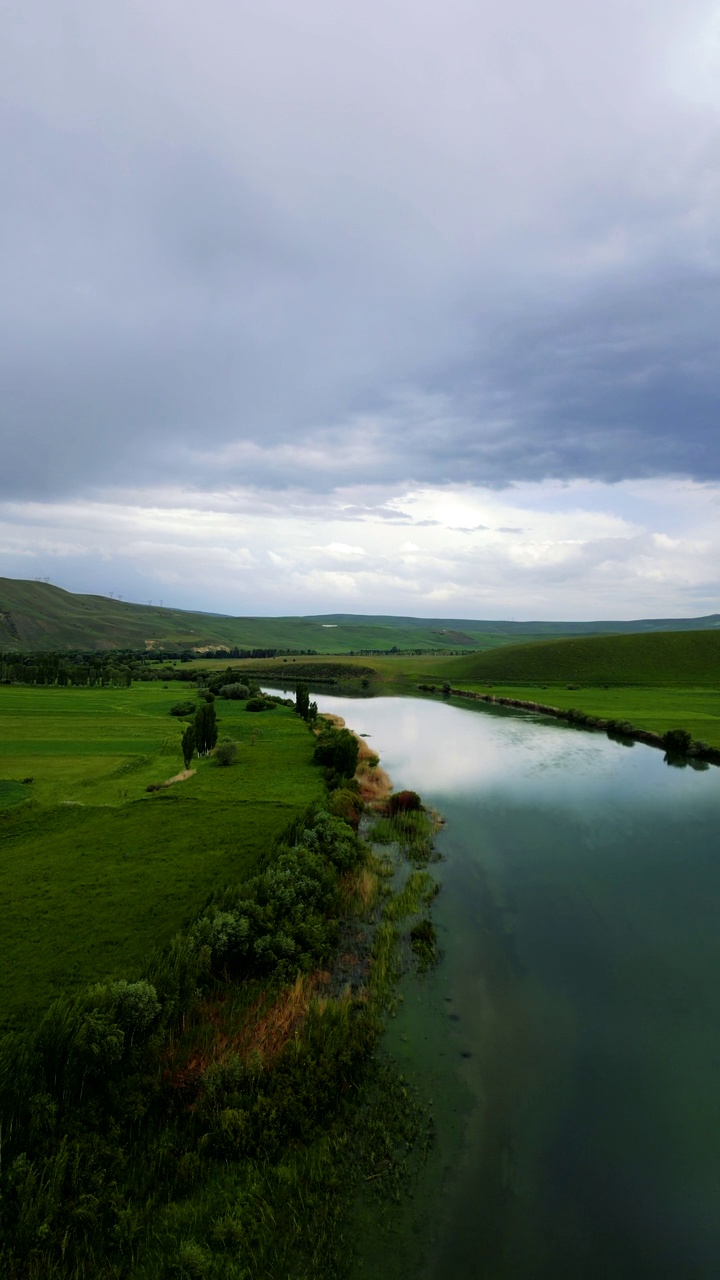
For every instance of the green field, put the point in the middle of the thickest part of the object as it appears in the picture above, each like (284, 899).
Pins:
(657, 682)
(94, 871)
(657, 710)
(36, 616)
(663, 658)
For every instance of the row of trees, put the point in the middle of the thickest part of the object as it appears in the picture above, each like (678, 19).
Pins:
(79, 671)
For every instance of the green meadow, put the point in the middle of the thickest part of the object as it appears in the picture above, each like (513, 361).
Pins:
(681, 659)
(657, 681)
(95, 872)
(657, 710)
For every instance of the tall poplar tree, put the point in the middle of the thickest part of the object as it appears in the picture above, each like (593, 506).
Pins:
(206, 730)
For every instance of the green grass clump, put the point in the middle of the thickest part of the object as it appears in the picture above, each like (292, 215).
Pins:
(413, 832)
(12, 792)
(423, 941)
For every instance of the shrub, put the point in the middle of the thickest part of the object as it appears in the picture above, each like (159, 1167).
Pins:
(677, 742)
(338, 750)
(260, 704)
(622, 728)
(346, 804)
(225, 753)
(235, 691)
(192, 1262)
(404, 802)
(185, 708)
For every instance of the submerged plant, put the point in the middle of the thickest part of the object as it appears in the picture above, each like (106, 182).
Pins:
(423, 941)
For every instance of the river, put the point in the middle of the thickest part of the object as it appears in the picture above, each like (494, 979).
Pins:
(570, 1036)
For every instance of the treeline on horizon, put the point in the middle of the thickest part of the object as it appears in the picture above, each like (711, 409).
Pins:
(119, 667)
(116, 667)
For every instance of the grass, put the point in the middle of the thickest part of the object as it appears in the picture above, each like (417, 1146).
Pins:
(657, 710)
(680, 659)
(229, 1137)
(39, 616)
(657, 682)
(95, 872)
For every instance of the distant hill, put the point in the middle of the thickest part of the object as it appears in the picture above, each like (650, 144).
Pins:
(36, 616)
(680, 658)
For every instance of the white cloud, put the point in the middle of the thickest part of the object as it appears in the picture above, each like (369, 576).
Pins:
(545, 551)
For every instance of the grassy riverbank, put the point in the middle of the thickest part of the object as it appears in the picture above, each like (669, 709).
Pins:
(657, 682)
(195, 982)
(654, 710)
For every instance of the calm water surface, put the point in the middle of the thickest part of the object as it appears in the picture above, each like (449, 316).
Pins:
(570, 1038)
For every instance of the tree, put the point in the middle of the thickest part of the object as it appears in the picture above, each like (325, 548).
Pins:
(337, 749)
(187, 745)
(677, 742)
(302, 701)
(206, 730)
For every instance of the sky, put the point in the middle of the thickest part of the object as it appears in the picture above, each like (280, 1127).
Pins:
(404, 307)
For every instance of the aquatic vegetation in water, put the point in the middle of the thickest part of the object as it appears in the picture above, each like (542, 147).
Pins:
(423, 941)
(413, 831)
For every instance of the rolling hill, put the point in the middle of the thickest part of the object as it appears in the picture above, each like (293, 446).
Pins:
(681, 658)
(39, 616)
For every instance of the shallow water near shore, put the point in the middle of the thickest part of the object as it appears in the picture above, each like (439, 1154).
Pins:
(570, 1037)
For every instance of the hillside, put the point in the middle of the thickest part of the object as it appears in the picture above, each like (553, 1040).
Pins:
(688, 659)
(39, 616)
(36, 616)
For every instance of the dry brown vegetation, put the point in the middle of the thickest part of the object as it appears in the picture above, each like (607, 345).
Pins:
(374, 783)
(262, 1029)
(179, 777)
(359, 890)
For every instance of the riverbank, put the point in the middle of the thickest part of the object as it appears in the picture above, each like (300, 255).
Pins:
(678, 751)
(569, 1034)
(229, 1081)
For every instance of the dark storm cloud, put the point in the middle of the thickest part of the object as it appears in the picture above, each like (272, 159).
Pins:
(326, 246)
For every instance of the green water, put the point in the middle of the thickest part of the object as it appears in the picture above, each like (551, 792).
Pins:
(570, 1037)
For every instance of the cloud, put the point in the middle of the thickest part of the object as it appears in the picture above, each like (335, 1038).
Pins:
(377, 266)
(439, 245)
(589, 550)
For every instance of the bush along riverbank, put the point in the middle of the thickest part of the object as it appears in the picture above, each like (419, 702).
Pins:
(216, 1115)
(679, 746)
